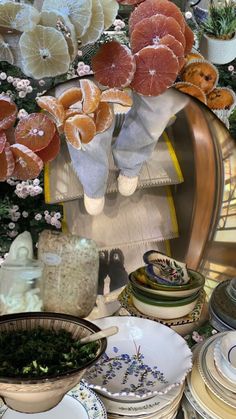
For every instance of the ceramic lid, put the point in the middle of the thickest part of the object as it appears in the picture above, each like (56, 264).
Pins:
(223, 304)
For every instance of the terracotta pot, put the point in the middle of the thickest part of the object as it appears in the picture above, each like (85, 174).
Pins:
(218, 51)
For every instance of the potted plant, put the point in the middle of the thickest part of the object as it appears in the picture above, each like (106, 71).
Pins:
(218, 37)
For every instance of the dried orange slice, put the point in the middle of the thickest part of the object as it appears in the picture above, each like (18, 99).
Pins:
(53, 107)
(8, 112)
(113, 65)
(91, 95)
(116, 96)
(7, 163)
(35, 131)
(51, 151)
(70, 96)
(3, 140)
(27, 164)
(72, 112)
(103, 117)
(79, 129)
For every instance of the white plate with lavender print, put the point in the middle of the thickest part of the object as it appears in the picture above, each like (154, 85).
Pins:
(79, 403)
(143, 359)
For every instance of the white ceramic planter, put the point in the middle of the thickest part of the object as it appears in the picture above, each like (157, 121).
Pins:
(218, 51)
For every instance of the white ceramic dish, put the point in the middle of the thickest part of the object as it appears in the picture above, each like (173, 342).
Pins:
(195, 405)
(226, 396)
(79, 403)
(132, 368)
(228, 350)
(164, 311)
(221, 365)
(156, 404)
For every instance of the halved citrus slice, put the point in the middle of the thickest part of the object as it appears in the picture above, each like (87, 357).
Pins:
(113, 65)
(96, 26)
(70, 96)
(5, 52)
(176, 47)
(156, 70)
(79, 12)
(189, 39)
(27, 164)
(110, 10)
(79, 129)
(91, 95)
(3, 140)
(72, 112)
(19, 16)
(130, 2)
(53, 19)
(53, 107)
(7, 163)
(103, 117)
(51, 151)
(153, 7)
(191, 90)
(44, 52)
(35, 131)
(116, 96)
(8, 112)
(149, 31)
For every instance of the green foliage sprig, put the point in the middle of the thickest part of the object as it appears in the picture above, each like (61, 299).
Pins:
(221, 22)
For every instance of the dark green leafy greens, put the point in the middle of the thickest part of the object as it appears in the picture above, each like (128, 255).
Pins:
(41, 353)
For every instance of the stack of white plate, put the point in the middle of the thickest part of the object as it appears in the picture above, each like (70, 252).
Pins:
(211, 386)
(143, 371)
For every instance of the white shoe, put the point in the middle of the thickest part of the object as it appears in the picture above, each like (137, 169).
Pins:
(127, 185)
(94, 206)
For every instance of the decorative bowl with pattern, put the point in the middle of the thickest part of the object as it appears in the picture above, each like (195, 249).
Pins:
(39, 395)
(143, 359)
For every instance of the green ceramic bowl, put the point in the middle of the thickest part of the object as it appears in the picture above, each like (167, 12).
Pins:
(164, 309)
(141, 281)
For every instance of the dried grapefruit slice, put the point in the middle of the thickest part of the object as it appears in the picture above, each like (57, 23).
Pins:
(113, 65)
(103, 117)
(3, 140)
(53, 107)
(153, 7)
(191, 90)
(5, 52)
(27, 164)
(116, 96)
(35, 131)
(91, 95)
(156, 70)
(79, 12)
(19, 16)
(70, 96)
(189, 39)
(7, 163)
(51, 151)
(150, 30)
(96, 26)
(79, 129)
(110, 10)
(8, 112)
(176, 47)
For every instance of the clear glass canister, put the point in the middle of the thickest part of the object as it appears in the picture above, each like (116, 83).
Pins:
(70, 275)
(20, 284)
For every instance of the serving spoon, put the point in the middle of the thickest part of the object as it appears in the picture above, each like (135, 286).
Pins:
(105, 333)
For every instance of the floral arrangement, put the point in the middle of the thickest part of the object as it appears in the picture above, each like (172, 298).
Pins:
(221, 20)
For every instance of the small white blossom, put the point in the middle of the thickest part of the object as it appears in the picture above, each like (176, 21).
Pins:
(53, 221)
(15, 207)
(57, 215)
(48, 218)
(79, 53)
(188, 15)
(46, 212)
(11, 226)
(25, 214)
(19, 187)
(10, 79)
(87, 68)
(12, 233)
(38, 217)
(22, 94)
(41, 82)
(81, 73)
(38, 190)
(58, 224)
(231, 68)
(29, 89)
(36, 182)
(26, 82)
(3, 76)
(22, 113)
(20, 85)
(80, 65)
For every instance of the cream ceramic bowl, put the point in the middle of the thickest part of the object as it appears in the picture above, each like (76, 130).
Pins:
(40, 395)
(164, 309)
(228, 350)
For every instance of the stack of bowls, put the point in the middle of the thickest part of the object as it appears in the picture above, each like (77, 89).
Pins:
(211, 386)
(222, 306)
(153, 296)
(142, 373)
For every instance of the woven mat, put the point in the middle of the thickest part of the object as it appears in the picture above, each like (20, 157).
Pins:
(145, 217)
(62, 184)
(127, 308)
